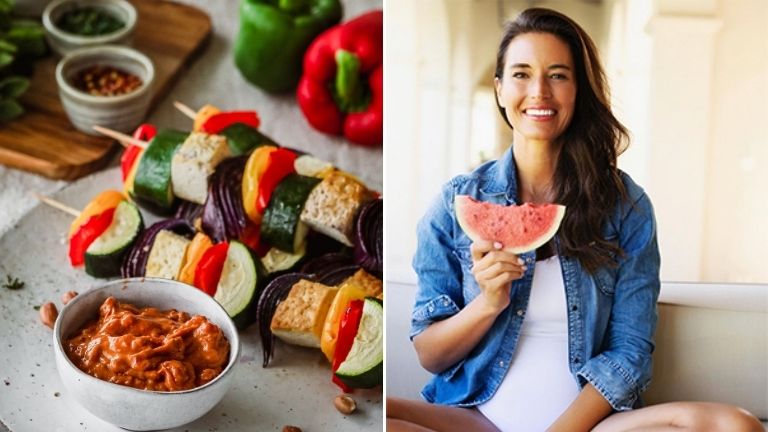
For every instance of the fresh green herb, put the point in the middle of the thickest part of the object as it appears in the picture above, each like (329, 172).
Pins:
(21, 42)
(89, 21)
(13, 283)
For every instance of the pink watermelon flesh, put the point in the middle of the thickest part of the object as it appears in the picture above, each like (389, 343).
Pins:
(519, 228)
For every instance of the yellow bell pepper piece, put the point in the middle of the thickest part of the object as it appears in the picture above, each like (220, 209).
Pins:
(330, 334)
(202, 115)
(254, 170)
(106, 200)
(200, 243)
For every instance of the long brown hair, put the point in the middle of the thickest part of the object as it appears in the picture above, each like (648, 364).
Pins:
(587, 179)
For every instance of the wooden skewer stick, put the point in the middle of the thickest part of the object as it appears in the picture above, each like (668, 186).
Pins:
(187, 111)
(125, 140)
(55, 204)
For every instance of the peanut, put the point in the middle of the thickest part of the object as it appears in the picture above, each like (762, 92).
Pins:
(345, 404)
(289, 428)
(67, 296)
(48, 314)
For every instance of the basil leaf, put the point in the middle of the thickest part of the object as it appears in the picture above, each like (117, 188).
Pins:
(10, 109)
(7, 46)
(5, 59)
(6, 6)
(13, 86)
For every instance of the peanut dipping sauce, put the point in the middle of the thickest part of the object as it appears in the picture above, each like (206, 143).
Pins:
(149, 349)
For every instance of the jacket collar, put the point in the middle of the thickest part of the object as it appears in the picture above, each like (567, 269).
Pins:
(503, 179)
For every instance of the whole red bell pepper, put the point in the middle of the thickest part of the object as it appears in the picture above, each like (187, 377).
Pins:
(209, 268)
(341, 90)
(220, 121)
(87, 233)
(347, 332)
(144, 132)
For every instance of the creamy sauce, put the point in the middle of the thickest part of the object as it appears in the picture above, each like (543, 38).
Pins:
(149, 349)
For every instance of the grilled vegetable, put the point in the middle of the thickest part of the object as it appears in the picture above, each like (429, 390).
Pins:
(281, 226)
(238, 288)
(104, 256)
(152, 185)
(363, 366)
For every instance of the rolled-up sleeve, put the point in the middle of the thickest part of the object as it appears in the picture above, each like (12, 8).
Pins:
(437, 267)
(622, 371)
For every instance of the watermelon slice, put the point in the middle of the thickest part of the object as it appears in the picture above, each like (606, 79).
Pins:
(519, 229)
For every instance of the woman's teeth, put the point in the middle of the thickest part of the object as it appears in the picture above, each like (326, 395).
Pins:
(540, 112)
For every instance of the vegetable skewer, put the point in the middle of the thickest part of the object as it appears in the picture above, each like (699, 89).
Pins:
(102, 233)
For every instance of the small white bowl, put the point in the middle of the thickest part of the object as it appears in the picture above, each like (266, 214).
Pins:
(131, 408)
(121, 113)
(63, 42)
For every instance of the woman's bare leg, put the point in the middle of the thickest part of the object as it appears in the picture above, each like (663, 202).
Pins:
(418, 416)
(682, 416)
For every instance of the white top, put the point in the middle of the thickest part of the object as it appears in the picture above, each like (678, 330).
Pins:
(538, 386)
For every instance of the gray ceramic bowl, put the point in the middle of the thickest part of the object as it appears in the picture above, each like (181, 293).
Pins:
(63, 42)
(121, 113)
(127, 407)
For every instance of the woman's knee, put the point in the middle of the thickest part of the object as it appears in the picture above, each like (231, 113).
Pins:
(731, 418)
(718, 418)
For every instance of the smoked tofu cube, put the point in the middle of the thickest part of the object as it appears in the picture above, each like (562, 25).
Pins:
(193, 162)
(371, 285)
(333, 204)
(299, 318)
(167, 255)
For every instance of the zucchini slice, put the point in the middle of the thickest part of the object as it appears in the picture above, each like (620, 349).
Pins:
(104, 256)
(152, 184)
(277, 260)
(237, 291)
(281, 226)
(364, 365)
(242, 138)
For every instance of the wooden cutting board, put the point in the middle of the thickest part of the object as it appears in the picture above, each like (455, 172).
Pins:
(43, 140)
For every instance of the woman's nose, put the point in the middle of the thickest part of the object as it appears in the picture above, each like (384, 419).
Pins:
(540, 88)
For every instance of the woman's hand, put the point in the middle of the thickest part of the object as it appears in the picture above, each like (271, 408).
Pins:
(494, 270)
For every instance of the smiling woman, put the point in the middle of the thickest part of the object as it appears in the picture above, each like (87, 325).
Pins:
(560, 338)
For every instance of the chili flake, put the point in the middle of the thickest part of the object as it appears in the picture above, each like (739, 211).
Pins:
(102, 80)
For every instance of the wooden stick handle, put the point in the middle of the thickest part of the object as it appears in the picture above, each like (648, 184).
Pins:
(125, 140)
(55, 204)
(189, 112)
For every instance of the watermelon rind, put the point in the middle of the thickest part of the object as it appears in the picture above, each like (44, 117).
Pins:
(462, 203)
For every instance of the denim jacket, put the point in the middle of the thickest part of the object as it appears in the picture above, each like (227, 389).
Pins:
(611, 313)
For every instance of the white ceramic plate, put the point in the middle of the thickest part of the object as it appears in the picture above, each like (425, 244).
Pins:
(295, 389)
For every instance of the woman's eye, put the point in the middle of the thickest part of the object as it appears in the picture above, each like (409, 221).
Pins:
(558, 76)
(519, 75)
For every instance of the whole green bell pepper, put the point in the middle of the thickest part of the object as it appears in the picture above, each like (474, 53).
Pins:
(274, 35)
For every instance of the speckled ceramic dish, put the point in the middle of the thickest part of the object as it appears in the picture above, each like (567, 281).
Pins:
(127, 407)
(63, 42)
(123, 112)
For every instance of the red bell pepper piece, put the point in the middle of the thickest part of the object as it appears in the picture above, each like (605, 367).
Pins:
(280, 165)
(218, 122)
(251, 235)
(347, 332)
(209, 268)
(87, 233)
(144, 132)
(341, 90)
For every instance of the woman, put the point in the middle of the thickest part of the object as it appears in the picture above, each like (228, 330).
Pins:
(566, 347)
